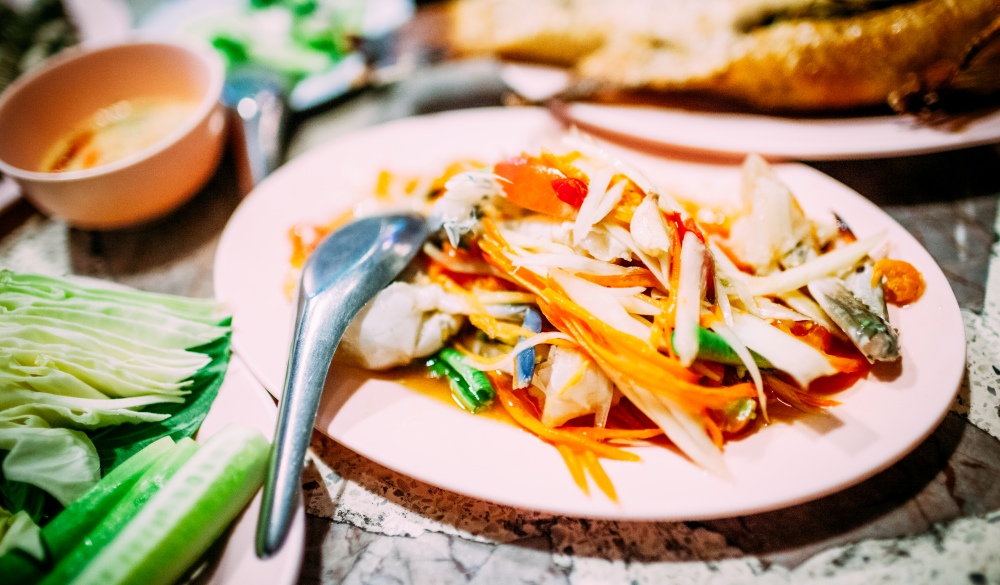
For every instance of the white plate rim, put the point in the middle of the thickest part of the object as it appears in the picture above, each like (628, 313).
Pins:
(234, 248)
(778, 137)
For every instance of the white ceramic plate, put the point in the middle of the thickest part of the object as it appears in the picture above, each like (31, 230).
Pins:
(786, 463)
(242, 400)
(779, 137)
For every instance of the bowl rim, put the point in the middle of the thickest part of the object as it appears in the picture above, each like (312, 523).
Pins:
(207, 104)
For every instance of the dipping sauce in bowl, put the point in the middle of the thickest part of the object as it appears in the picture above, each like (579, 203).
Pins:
(115, 132)
(110, 136)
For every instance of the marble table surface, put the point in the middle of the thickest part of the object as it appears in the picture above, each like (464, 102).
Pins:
(934, 517)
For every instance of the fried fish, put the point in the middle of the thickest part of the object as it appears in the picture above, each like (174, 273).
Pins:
(769, 54)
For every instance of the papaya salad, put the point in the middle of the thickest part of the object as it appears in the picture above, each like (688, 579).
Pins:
(601, 312)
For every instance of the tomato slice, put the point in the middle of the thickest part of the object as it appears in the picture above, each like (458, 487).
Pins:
(529, 184)
(572, 191)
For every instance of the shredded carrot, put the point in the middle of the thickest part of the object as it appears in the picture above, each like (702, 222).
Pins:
(635, 276)
(487, 282)
(634, 368)
(575, 467)
(847, 365)
(601, 478)
(795, 397)
(631, 198)
(560, 304)
(612, 349)
(736, 260)
(496, 329)
(606, 434)
(846, 361)
(713, 431)
(653, 370)
(516, 408)
(382, 184)
(494, 249)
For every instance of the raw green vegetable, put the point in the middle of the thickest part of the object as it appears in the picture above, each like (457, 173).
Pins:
(157, 320)
(120, 300)
(191, 511)
(121, 516)
(68, 528)
(60, 461)
(20, 496)
(712, 348)
(470, 387)
(80, 517)
(294, 37)
(19, 534)
(118, 443)
(78, 361)
(18, 566)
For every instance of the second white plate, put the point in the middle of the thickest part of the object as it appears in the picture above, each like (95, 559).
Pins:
(788, 462)
(777, 137)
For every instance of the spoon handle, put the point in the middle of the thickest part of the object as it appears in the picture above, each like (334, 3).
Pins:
(317, 334)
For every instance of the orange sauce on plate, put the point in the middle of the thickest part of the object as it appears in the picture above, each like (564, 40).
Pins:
(416, 378)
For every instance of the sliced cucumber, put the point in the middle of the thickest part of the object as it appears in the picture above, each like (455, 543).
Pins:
(72, 524)
(69, 528)
(123, 514)
(187, 515)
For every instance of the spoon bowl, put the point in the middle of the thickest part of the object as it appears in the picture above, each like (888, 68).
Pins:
(345, 271)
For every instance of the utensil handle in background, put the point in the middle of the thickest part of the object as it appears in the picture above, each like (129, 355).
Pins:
(317, 334)
(258, 114)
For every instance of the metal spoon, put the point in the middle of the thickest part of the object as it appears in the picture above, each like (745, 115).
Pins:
(345, 271)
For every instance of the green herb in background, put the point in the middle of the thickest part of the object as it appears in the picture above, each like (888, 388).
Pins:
(295, 37)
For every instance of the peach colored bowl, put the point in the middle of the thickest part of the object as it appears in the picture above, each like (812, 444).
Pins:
(41, 107)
